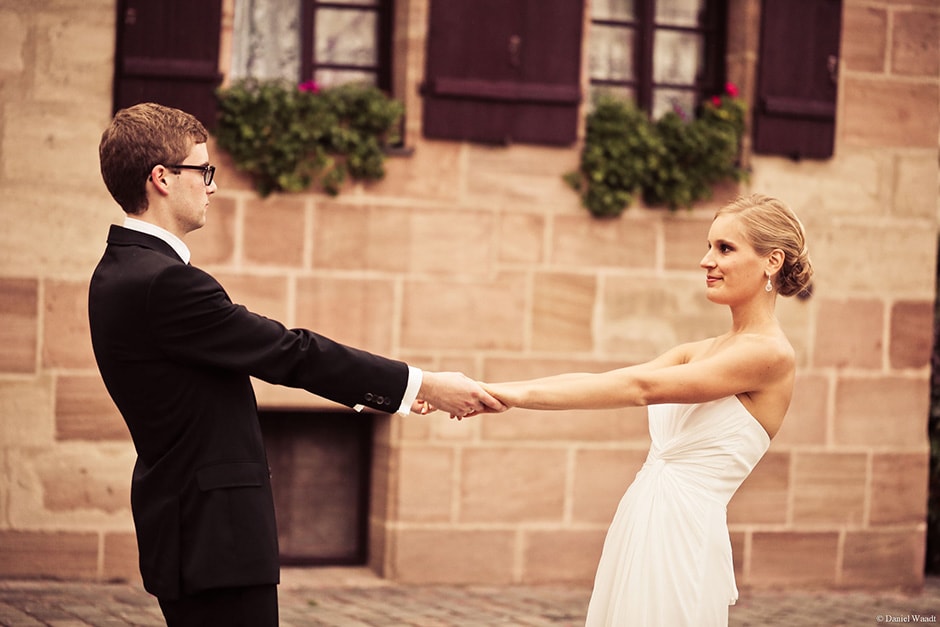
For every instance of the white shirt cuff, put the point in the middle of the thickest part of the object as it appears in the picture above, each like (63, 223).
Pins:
(415, 377)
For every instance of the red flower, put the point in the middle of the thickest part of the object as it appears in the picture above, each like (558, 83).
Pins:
(309, 86)
(731, 89)
(716, 100)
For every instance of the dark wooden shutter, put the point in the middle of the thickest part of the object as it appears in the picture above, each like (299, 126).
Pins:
(168, 52)
(795, 108)
(503, 71)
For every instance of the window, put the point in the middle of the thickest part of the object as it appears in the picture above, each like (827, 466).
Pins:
(661, 53)
(299, 40)
(349, 41)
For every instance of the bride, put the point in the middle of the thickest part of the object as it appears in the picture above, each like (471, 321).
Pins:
(713, 406)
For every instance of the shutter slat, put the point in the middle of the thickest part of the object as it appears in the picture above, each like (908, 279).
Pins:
(504, 91)
(796, 107)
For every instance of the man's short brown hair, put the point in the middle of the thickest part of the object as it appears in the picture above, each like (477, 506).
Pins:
(139, 138)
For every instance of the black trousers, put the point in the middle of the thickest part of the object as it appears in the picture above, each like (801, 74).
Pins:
(253, 606)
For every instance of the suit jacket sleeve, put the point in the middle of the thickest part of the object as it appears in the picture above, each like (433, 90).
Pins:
(193, 320)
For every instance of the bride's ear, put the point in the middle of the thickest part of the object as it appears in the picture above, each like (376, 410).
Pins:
(775, 260)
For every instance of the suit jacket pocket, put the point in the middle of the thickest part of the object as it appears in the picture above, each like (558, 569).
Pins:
(229, 534)
(231, 475)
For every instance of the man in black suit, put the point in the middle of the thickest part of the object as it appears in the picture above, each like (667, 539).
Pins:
(177, 355)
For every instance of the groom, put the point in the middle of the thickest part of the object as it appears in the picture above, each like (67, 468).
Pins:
(176, 355)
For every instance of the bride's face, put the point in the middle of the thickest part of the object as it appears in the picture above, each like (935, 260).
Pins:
(734, 272)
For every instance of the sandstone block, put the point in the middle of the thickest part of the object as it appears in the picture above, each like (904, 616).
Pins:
(562, 312)
(911, 334)
(889, 113)
(480, 315)
(882, 412)
(643, 319)
(873, 557)
(449, 556)
(28, 411)
(62, 554)
(807, 418)
(521, 238)
(426, 481)
(916, 43)
(19, 324)
(762, 498)
(275, 230)
(85, 411)
(12, 44)
(793, 559)
(829, 488)
(849, 334)
(121, 558)
(69, 54)
(359, 313)
(916, 186)
(601, 477)
(899, 488)
(561, 556)
(81, 481)
(512, 485)
(864, 44)
(581, 240)
(66, 333)
(626, 425)
(841, 270)
(214, 244)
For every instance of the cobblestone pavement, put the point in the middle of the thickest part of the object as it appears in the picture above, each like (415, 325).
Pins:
(355, 598)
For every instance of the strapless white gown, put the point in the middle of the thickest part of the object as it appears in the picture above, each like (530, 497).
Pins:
(667, 557)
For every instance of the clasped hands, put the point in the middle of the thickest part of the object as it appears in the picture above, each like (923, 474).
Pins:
(456, 394)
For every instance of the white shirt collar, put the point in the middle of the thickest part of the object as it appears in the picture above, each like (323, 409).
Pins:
(152, 229)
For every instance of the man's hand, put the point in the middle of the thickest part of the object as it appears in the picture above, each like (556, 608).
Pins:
(457, 394)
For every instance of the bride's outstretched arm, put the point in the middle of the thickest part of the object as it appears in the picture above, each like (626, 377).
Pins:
(671, 378)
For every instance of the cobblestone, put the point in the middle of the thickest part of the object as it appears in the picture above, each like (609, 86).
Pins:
(356, 598)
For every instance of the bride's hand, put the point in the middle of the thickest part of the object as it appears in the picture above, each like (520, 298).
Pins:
(509, 394)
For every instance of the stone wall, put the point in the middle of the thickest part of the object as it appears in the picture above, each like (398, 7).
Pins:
(479, 259)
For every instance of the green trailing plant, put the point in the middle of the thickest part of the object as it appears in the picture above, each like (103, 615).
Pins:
(289, 137)
(672, 162)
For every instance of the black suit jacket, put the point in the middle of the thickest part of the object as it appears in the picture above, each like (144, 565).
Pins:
(176, 355)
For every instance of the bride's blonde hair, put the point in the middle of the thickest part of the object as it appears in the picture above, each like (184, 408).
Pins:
(769, 224)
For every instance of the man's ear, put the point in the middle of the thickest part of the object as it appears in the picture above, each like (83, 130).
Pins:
(158, 178)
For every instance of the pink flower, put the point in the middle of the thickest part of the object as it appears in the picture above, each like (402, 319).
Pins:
(731, 89)
(309, 86)
(679, 110)
(716, 100)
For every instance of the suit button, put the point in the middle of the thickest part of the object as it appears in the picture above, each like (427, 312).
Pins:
(369, 396)
(388, 401)
(380, 400)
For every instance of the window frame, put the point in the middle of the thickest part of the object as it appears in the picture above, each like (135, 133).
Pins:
(710, 81)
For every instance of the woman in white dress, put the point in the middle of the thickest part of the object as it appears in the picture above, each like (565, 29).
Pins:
(714, 406)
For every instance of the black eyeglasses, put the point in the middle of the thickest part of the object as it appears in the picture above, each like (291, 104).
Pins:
(208, 171)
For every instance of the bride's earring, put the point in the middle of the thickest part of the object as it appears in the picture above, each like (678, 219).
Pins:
(770, 286)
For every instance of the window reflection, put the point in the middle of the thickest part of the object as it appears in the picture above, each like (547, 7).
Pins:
(345, 37)
(612, 9)
(611, 53)
(679, 12)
